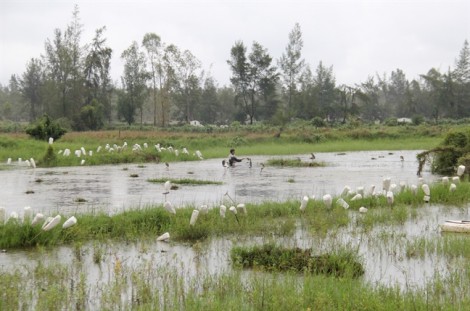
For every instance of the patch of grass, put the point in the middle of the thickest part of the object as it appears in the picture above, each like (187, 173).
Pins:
(270, 257)
(185, 181)
(293, 163)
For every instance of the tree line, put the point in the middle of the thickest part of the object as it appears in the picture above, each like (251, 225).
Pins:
(163, 85)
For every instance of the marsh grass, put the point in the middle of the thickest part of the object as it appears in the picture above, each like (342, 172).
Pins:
(268, 218)
(293, 163)
(270, 257)
(185, 181)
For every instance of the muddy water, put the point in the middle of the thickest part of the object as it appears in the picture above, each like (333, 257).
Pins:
(111, 188)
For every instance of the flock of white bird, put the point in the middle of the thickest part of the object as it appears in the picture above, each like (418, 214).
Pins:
(82, 152)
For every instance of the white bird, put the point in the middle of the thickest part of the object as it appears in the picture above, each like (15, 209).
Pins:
(51, 224)
(72, 221)
(39, 217)
(27, 213)
(242, 207)
(356, 197)
(456, 179)
(33, 163)
(346, 190)
(98, 149)
(169, 207)
(90, 153)
(27, 163)
(223, 210)
(445, 180)
(185, 151)
(164, 237)
(303, 203)
(83, 151)
(372, 190)
(360, 190)
(194, 216)
(233, 209)
(46, 222)
(328, 200)
(460, 170)
(9, 161)
(426, 190)
(82, 162)
(146, 145)
(14, 215)
(199, 155)
(203, 209)
(342, 203)
(20, 161)
(390, 198)
(452, 187)
(362, 209)
(51, 140)
(414, 189)
(402, 186)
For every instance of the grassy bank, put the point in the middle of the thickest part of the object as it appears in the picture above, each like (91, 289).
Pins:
(247, 141)
(278, 218)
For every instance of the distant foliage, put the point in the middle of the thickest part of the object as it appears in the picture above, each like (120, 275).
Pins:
(45, 128)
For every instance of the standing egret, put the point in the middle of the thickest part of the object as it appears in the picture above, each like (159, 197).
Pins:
(203, 209)
(51, 224)
(199, 155)
(402, 186)
(427, 192)
(303, 203)
(346, 190)
(233, 209)
(194, 217)
(460, 170)
(360, 190)
(27, 214)
(9, 161)
(167, 187)
(164, 237)
(452, 187)
(223, 209)
(46, 222)
(456, 179)
(445, 180)
(356, 197)
(372, 190)
(342, 203)
(362, 209)
(51, 140)
(37, 219)
(328, 200)
(82, 162)
(169, 207)
(242, 207)
(69, 222)
(414, 189)
(33, 163)
(14, 216)
(83, 151)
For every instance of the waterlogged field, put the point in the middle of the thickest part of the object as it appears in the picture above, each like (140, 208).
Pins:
(111, 259)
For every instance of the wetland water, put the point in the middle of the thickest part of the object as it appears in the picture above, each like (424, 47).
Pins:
(111, 188)
(383, 249)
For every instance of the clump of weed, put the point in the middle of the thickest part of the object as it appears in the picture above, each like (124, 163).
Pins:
(293, 163)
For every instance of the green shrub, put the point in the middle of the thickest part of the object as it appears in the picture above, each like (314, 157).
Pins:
(45, 128)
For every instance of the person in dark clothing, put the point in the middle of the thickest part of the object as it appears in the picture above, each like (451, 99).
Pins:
(232, 159)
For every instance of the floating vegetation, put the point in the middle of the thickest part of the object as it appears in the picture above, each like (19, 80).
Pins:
(125, 169)
(293, 163)
(80, 200)
(29, 192)
(134, 175)
(274, 258)
(39, 180)
(140, 166)
(291, 180)
(185, 181)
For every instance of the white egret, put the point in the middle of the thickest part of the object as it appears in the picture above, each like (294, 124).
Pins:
(177, 153)
(445, 180)
(346, 190)
(360, 190)
(356, 197)
(169, 207)
(426, 190)
(90, 153)
(27, 213)
(9, 161)
(51, 140)
(164, 237)
(233, 209)
(14, 215)
(78, 153)
(414, 189)
(199, 155)
(66, 152)
(98, 149)
(372, 190)
(242, 207)
(223, 210)
(393, 188)
(33, 163)
(194, 217)
(83, 151)
(456, 179)
(402, 186)
(452, 187)
(328, 200)
(20, 161)
(460, 170)
(82, 162)
(27, 163)
(72, 221)
(146, 145)
(390, 198)
(46, 222)
(203, 209)
(37, 218)
(54, 222)
(342, 203)
(362, 209)
(185, 151)
(303, 203)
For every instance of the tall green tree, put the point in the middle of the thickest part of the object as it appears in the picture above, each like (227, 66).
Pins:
(30, 87)
(134, 82)
(251, 77)
(325, 90)
(291, 65)
(154, 48)
(97, 76)
(461, 74)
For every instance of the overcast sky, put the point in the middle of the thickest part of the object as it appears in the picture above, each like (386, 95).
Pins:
(358, 38)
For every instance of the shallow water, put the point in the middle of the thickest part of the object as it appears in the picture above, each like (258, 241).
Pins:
(111, 188)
